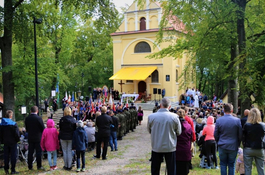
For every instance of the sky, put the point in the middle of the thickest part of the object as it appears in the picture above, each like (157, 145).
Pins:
(118, 3)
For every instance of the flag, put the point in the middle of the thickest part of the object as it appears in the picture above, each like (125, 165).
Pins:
(99, 101)
(114, 107)
(90, 100)
(105, 93)
(127, 105)
(66, 96)
(110, 99)
(73, 97)
(92, 106)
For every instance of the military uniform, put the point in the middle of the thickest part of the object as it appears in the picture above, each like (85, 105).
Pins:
(135, 118)
(131, 119)
(127, 116)
(120, 132)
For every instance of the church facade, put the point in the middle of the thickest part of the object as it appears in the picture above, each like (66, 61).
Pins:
(135, 39)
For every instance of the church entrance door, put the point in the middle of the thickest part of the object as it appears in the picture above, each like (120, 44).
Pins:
(141, 87)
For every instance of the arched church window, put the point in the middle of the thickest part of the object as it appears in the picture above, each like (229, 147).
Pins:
(142, 24)
(154, 77)
(142, 47)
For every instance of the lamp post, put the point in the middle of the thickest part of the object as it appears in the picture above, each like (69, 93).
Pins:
(36, 21)
(53, 92)
(24, 111)
(79, 94)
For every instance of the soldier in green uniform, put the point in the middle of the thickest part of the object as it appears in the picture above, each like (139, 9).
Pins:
(135, 117)
(131, 118)
(121, 128)
(127, 116)
(123, 123)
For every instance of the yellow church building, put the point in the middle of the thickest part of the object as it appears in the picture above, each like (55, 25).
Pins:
(132, 42)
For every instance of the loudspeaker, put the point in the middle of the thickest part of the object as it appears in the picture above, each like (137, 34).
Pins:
(159, 91)
(87, 98)
(154, 90)
(89, 89)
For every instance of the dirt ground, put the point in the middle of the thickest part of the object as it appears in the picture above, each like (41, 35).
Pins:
(134, 150)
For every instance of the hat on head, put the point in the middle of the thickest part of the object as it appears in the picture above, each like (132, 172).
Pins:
(80, 123)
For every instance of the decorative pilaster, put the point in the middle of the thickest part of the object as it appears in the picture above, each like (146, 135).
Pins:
(136, 21)
(147, 20)
(125, 22)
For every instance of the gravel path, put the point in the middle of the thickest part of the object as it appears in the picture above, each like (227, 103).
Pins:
(133, 150)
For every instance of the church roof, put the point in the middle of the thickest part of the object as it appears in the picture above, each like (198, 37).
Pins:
(174, 22)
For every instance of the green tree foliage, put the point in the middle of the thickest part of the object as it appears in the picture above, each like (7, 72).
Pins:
(224, 38)
(73, 38)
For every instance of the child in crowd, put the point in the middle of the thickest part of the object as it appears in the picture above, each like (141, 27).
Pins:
(240, 162)
(50, 143)
(79, 143)
(90, 131)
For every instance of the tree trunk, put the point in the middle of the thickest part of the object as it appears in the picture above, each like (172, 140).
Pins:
(6, 53)
(245, 99)
(201, 79)
(232, 83)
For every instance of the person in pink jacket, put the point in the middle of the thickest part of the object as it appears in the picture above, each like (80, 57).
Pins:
(50, 143)
(210, 144)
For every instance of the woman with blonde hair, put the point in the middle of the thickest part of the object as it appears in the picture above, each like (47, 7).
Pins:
(67, 127)
(253, 142)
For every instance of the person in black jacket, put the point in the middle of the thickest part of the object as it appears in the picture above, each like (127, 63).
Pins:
(9, 135)
(113, 132)
(34, 127)
(103, 123)
(253, 142)
(67, 127)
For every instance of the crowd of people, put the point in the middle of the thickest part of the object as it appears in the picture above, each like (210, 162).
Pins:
(88, 125)
(84, 126)
(213, 126)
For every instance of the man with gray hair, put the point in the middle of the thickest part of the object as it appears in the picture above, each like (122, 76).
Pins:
(164, 128)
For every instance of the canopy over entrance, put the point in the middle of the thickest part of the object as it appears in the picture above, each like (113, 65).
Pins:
(133, 73)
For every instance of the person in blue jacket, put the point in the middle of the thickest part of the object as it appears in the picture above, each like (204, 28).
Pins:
(80, 142)
(9, 136)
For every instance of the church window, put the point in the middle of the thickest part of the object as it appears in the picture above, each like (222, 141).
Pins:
(154, 77)
(142, 23)
(142, 47)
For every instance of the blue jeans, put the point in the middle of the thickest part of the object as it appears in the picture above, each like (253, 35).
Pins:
(227, 159)
(113, 140)
(54, 154)
(82, 153)
(10, 150)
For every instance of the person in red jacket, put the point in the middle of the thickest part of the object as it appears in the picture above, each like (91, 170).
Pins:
(210, 144)
(190, 121)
